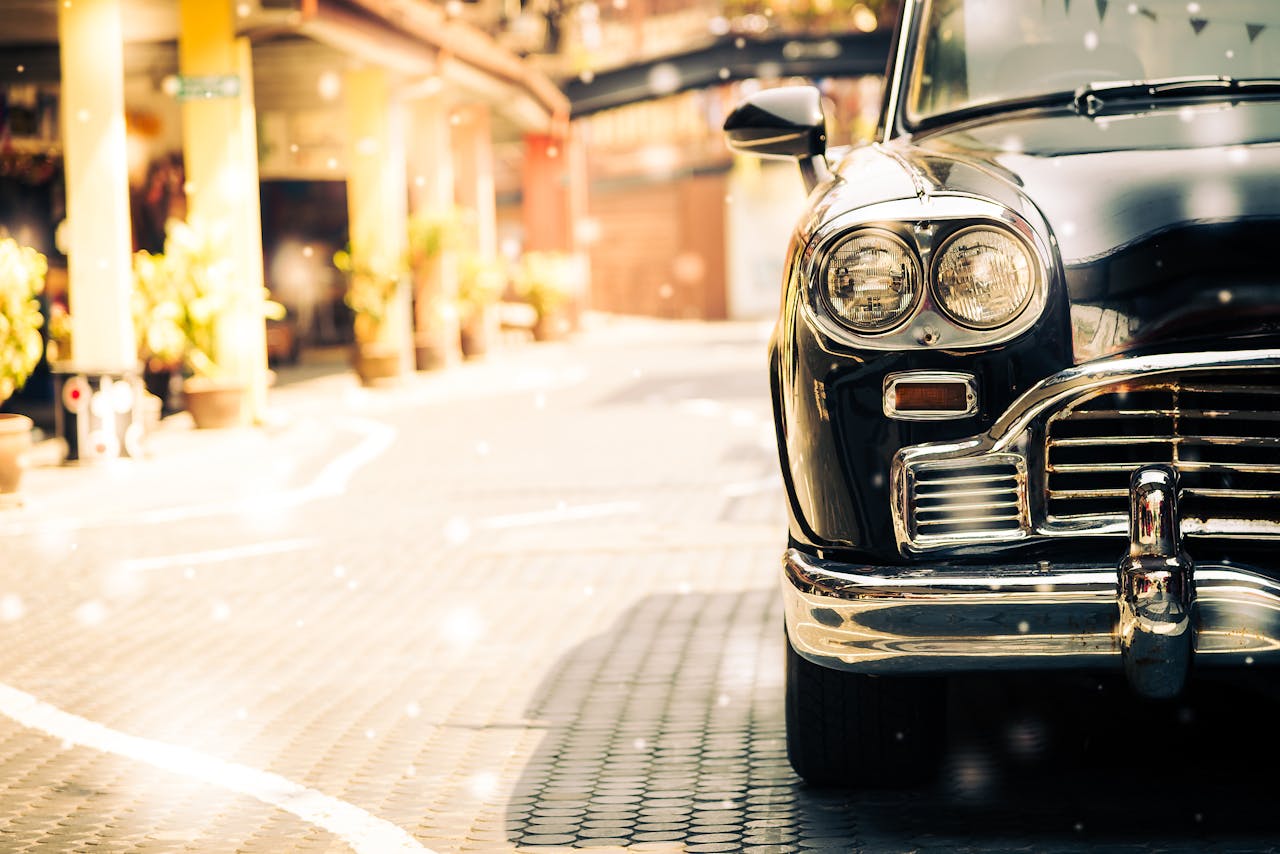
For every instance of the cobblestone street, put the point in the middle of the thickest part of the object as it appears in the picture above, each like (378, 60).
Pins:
(525, 604)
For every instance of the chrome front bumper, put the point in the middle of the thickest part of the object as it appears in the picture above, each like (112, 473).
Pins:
(1036, 616)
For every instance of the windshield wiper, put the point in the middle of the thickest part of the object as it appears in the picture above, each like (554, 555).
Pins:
(1092, 99)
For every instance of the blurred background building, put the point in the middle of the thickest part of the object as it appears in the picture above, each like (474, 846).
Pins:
(587, 127)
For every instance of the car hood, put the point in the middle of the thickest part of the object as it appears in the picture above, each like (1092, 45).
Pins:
(1165, 221)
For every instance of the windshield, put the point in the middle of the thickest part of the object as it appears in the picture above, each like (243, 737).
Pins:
(974, 52)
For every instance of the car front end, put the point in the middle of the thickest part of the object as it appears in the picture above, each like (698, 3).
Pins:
(1026, 378)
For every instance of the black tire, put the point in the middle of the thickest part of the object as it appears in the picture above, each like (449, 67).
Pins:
(850, 729)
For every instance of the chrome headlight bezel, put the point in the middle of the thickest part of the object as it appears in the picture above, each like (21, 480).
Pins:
(924, 227)
(915, 272)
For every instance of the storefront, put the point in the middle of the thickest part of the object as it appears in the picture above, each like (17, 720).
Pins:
(290, 126)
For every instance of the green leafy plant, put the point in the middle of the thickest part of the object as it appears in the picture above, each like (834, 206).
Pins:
(371, 288)
(59, 326)
(434, 232)
(183, 296)
(157, 312)
(481, 281)
(22, 272)
(546, 280)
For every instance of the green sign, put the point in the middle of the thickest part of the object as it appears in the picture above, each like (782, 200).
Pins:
(201, 86)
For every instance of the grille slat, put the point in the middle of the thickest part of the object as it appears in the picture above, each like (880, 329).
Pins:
(1224, 414)
(1222, 437)
(948, 511)
(964, 493)
(1182, 465)
(947, 484)
(1067, 494)
(1121, 441)
(922, 525)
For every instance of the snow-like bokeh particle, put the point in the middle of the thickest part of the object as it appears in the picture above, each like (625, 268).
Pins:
(483, 786)
(12, 607)
(91, 613)
(457, 531)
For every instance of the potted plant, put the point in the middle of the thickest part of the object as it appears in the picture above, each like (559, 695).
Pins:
(22, 272)
(481, 281)
(431, 237)
(157, 323)
(185, 301)
(546, 280)
(371, 290)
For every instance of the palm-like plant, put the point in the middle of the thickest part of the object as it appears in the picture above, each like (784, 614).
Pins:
(22, 272)
(183, 297)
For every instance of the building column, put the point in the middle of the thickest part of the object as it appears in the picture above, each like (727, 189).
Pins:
(473, 160)
(546, 206)
(429, 157)
(99, 256)
(98, 411)
(219, 146)
(555, 202)
(377, 204)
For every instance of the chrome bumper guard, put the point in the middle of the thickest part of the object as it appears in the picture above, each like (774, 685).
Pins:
(1150, 615)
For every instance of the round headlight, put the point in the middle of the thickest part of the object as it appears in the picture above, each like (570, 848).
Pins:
(873, 281)
(984, 277)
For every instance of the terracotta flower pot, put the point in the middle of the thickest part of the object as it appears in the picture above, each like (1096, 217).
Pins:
(551, 326)
(376, 364)
(15, 441)
(214, 404)
(476, 333)
(436, 348)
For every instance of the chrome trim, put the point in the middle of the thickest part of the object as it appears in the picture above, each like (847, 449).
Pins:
(1157, 589)
(934, 619)
(982, 487)
(1012, 430)
(1188, 433)
(891, 385)
(927, 326)
(899, 78)
(1052, 392)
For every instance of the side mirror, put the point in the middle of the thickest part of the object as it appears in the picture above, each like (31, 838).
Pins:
(783, 123)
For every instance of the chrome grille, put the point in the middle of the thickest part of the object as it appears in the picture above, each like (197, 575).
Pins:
(1223, 437)
(970, 500)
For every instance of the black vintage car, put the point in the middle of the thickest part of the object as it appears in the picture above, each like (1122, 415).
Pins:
(1026, 377)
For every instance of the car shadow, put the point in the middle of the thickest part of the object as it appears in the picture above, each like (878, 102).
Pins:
(669, 729)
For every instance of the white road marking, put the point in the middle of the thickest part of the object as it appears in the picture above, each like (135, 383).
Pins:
(146, 564)
(560, 514)
(365, 833)
(335, 476)
(740, 489)
(330, 482)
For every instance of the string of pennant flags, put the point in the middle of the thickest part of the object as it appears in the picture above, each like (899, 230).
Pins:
(1197, 23)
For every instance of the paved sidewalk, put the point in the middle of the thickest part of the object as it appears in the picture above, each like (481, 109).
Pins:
(530, 605)
(314, 410)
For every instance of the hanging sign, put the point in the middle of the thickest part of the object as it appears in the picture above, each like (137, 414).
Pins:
(192, 87)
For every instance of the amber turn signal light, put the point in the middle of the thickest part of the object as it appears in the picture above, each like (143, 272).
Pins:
(931, 397)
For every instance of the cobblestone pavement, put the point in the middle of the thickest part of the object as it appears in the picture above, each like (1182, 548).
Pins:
(526, 604)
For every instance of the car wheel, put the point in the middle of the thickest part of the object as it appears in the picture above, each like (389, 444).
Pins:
(850, 729)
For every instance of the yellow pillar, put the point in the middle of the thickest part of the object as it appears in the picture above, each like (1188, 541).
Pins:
(253, 337)
(431, 193)
(220, 156)
(377, 201)
(99, 258)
